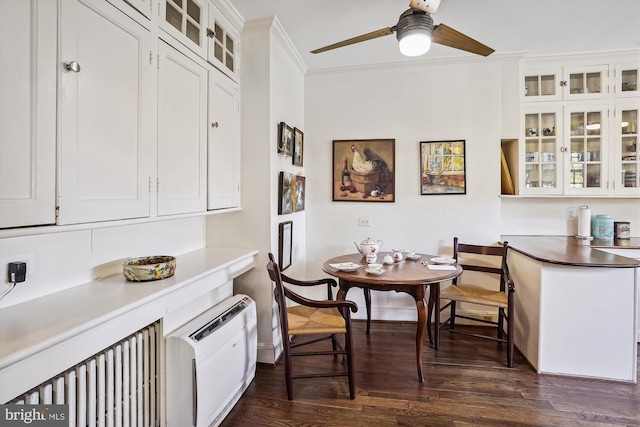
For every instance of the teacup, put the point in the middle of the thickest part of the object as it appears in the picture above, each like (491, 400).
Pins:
(374, 268)
(410, 254)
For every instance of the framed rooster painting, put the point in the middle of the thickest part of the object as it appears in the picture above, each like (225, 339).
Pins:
(363, 170)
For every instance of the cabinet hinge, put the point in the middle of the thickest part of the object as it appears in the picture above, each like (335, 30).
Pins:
(238, 187)
(149, 184)
(57, 209)
(150, 57)
(210, 33)
(158, 185)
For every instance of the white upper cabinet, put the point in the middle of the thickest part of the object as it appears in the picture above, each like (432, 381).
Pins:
(27, 112)
(583, 141)
(223, 47)
(186, 22)
(224, 142)
(107, 100)
(626, 158)
(182, 132)
(626, 80)
(564, 83)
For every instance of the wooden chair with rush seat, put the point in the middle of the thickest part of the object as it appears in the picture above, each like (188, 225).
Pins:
(483, 290)
(324, 319)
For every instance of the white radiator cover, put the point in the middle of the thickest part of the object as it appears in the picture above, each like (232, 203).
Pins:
(206, 376)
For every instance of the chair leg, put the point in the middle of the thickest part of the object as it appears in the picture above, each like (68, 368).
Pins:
(452, 320)
(367, 301)
(288, 371)
(510, 333)
(350, 364)
(500, 322)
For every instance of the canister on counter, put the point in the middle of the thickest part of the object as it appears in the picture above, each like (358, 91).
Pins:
(622, 229)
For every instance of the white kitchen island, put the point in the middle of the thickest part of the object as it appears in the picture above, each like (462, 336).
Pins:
(576, 307)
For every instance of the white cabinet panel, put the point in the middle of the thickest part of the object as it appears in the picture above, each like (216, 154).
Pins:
(106, 116)
(27, 112)
(224, 142)
(182, 132)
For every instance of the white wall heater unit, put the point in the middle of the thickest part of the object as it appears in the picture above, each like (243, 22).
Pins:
(211, 361)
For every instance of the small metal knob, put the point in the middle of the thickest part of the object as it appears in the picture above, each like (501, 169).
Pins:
(214, 124)
(72, 66)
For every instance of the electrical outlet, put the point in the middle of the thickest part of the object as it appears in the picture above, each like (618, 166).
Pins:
(572, 213)
(364, 222)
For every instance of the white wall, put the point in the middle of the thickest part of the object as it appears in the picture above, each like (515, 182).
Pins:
(59, 259)
(548, 216)
(272, 92)
(425, 101)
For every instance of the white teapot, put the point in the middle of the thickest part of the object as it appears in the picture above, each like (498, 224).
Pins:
(369, 246)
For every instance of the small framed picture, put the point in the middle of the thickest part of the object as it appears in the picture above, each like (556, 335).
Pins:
(300, 190)
(285, 241)
(286, 193)
(298, 146)
(442, 167)
(285, 139)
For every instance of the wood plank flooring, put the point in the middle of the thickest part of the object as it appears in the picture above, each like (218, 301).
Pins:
(466, 382)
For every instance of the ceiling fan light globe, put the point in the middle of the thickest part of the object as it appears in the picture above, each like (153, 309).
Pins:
(414, 44)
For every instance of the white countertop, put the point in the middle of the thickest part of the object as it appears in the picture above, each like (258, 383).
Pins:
(34, 326)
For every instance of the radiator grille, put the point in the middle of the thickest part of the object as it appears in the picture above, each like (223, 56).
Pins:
(117, 387)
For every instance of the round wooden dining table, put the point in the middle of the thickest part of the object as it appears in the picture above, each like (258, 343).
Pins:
(408, 276)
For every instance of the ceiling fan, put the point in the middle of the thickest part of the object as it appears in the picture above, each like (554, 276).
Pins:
(415, 33)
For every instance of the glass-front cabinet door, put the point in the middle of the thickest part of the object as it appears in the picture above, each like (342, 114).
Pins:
(585, 82)
(626, 80)
(541, 85)
(541, 172)
(223, 43)
(586, 149)
(627, 161)
(186, 21)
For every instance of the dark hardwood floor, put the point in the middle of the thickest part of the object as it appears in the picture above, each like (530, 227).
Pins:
(466, 382)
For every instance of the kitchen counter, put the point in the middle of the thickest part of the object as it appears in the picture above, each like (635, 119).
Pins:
(43, 337)
(567, 298)
(565, 250)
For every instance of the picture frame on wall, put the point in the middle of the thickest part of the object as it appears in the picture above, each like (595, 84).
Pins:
(286, 193)
(443, 167)
(363, 170)
(300, 191)
(285, 244)
(285, 139)
(298, 147)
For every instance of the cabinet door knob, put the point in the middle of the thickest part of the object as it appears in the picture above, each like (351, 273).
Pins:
(214, 124)
(72, 66)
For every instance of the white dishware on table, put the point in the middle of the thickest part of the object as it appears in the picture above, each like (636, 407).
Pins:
(369, 246)
(388, 259)
(397, 256)
(443, 260)
(346, 266)
(372, 258)
(375, 269)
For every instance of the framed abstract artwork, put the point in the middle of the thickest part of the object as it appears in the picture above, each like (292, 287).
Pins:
(300, 191)
(298, 147)
(286, 192)
(285, 139)
(363, 170)
(442, 167)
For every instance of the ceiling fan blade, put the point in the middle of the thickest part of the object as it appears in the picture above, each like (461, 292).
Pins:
(372, 35)
(447, 36)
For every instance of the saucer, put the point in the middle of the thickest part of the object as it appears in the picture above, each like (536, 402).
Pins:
(374, 272)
